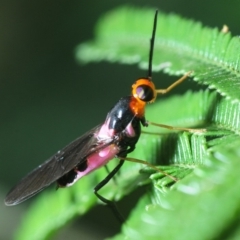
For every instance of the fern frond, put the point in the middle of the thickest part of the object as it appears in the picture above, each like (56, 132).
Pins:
(181, 45)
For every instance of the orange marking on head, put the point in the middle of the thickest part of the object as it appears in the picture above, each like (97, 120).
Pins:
(137, 106)
(143, 91)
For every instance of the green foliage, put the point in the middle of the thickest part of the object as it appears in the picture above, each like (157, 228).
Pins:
(181, 45)
(204, 203)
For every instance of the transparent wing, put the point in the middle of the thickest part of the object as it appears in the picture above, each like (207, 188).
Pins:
(56, 166)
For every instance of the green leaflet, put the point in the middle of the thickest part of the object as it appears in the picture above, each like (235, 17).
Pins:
(181, 45)
(204, 205)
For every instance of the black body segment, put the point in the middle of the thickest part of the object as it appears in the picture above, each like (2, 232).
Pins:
(120, 117)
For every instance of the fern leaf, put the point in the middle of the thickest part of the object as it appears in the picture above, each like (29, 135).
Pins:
(181, 45)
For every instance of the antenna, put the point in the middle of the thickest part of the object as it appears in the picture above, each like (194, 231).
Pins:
(152, 46)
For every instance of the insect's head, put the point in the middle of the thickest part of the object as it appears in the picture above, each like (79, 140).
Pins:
(144, 90)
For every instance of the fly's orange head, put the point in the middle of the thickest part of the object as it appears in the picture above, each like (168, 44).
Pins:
(143, 91)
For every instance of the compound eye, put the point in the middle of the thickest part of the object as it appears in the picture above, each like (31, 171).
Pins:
(144, 90)
(145, 93)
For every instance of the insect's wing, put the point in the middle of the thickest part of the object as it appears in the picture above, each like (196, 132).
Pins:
(55, 167)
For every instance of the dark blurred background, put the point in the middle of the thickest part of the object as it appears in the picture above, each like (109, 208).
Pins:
(47, 99)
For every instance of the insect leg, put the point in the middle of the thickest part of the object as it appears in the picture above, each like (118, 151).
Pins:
(108, 171)
(179, 81)
(192, 130)
(149, 165)
(110, 203)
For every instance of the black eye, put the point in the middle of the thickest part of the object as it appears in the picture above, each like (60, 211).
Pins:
(145, 93)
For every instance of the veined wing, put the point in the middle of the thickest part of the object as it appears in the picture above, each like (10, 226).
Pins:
(56, 166)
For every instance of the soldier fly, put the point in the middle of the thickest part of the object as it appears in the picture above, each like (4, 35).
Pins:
(116, 137)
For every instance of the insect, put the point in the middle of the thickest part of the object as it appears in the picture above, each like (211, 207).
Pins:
(116, 137)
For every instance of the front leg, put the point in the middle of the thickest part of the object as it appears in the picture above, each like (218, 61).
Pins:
(144, 122)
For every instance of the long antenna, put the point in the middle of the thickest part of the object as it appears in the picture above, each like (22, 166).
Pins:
(152, 46)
